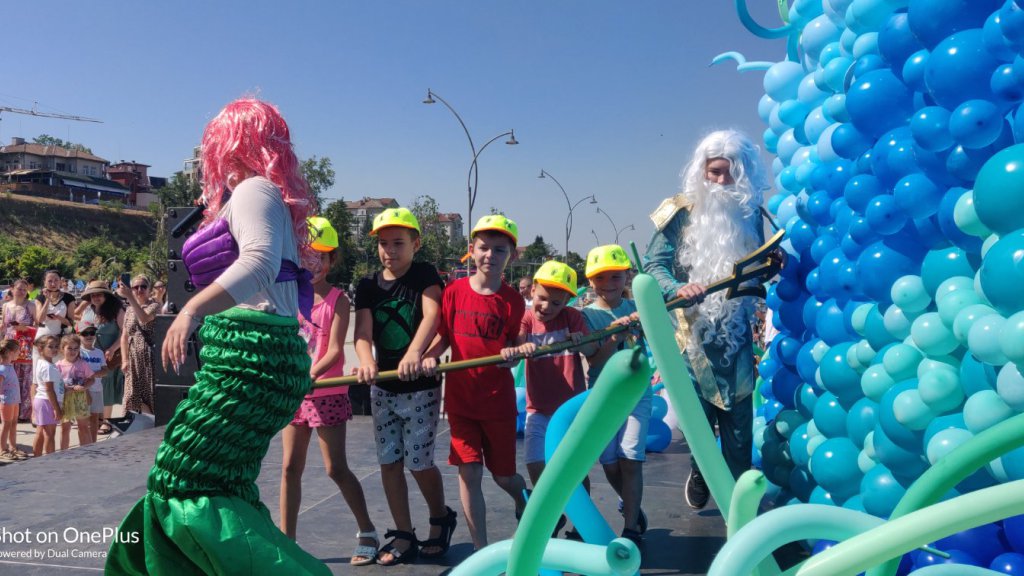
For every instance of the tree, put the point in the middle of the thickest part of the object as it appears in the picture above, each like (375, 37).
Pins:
(47, 140)
(349, 251)
(180, 190)
(579, 264)
(434, 245)
(319, 174)
(538, 251)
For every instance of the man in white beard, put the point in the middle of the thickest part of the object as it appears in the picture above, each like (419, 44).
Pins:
(701, 233)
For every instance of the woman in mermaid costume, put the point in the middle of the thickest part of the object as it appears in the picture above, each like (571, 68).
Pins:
(202, 513)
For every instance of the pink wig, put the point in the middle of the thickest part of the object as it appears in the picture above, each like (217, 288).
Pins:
(251, 137)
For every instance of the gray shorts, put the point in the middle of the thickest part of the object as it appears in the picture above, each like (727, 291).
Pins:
(405, 426)
(630, 443)
(534, 432)
(96, 393)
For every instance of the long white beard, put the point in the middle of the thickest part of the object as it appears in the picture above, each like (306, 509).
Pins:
(722, 229)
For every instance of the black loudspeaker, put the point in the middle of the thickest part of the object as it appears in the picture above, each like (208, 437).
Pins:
(180, 222)
(179, 287)
(185, 376)
(130, 422)
(166, 400)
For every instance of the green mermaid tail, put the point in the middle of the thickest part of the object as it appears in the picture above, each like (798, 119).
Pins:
(203, 514)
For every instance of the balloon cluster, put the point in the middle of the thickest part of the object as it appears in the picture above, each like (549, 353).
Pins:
(898, 132)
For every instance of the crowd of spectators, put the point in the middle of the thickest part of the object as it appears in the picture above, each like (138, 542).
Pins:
(117, 319)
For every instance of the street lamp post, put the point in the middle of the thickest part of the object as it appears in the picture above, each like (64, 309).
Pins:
(472, 177)
(617, 231)
(596, 239)
(568, 219)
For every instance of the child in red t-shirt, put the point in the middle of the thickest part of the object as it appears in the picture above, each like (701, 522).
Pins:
(480, 316)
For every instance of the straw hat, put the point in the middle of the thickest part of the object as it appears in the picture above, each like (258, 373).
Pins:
(96, 287)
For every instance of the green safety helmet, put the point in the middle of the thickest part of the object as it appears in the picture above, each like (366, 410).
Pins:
(323, 236)
(605, 258)
(399, 217)
(555, 274)
(497, 223)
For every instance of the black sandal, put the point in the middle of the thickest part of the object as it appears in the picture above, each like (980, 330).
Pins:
(398, 557)
(444, 541)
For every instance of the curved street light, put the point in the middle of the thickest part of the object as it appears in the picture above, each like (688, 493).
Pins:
(472, 177)
(614, 229)
(596, 239)
(568, 219)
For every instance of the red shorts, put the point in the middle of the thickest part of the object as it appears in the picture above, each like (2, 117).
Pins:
(490, 442)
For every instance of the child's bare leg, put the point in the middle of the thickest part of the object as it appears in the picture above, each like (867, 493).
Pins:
(295, 442)
(94, 425)
(534, 469)
(514, 485)
(473, 507)
(332, 447)
(432, 487)
(65, 435)
(84, 435)
(39, 442)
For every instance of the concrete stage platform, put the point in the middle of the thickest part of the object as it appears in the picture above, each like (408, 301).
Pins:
(59, 502)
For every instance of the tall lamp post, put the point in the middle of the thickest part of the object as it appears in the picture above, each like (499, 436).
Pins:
(472, 177)
(596, 239)
(614, 229)
(568, 219)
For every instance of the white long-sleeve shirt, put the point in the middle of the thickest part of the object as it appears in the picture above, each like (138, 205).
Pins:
(260, 222)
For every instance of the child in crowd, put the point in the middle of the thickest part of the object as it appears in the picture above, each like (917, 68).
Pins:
(554, 379)
(47, 394)
(97, 362)
(77, 377)
(10, 400)
(326, 409)
(623, 459)
(480, 316)
(397, 315)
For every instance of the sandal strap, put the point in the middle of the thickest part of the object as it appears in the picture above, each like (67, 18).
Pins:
(447, 520)
(401, 535)
(370, 534)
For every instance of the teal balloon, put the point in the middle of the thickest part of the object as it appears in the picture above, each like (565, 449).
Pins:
(967, 317)
(902, 462)
(874, 329)
(1010, 386)
(859, 318)
(829, 416)
(984, 410)
(1002, 270)
(896, 322)
(983, 340)
(880, 491)
(901, 361)
(1011, 338)
(834, 467)
(910, 294)
(906, 437)
(864, 353)
(875, 382)
(861, 420)
(975, 375)
(932, 336)
(798, 446)
(940, 389)
(998, 209)
(941, 265)
(838, 377)
(953, 303)
(945, 441)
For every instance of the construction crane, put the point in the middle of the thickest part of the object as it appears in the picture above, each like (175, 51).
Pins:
(34, 112)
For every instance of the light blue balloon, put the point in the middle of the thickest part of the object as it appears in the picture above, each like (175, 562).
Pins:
(940, 389)
(966, 318)
(1010, 386)
(875, 382)
(932, 336)
(983, 339)
(945, 441)
(910, 411)
(815, 124)
(809, 92)
(910, 295)
(765, 106)
(901, 361)
(984, 410)
(834, 108)
(834, 73)
(1011, 338)
(897, 323)
(865, 16)
(818, 33)
(953, 303)
(782, 80)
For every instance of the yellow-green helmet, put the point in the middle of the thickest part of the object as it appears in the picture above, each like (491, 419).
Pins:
(605, 258)
(497, 223)
(555, 274)
(400, 217)
(323, 236)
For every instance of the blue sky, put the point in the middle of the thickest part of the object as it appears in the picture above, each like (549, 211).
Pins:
(609, 97)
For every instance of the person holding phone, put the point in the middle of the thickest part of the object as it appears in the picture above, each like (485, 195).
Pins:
(54, 308)
(136, 343)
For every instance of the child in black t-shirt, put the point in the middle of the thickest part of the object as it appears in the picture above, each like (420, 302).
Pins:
(397, 315)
